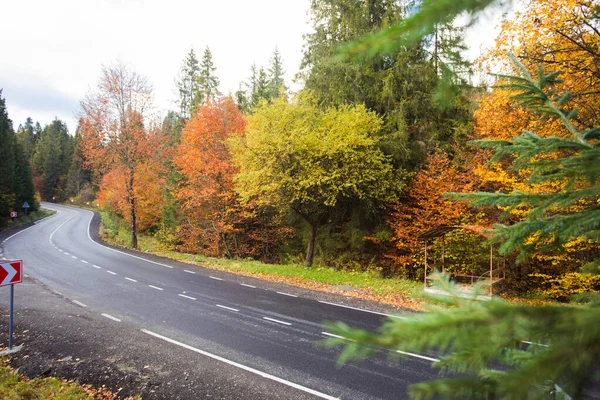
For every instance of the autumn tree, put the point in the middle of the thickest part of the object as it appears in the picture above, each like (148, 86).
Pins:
(563, 349)
(423, 207)
(114, 137)
(212, 220)
(206, 188)
(295, 156)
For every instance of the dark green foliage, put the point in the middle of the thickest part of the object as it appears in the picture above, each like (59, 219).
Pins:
(78, 177)
(484, 344)
(16, 185)
(207, 81)
(27, 135)
(23, 182)
(52, 159)
(410, 31)
(262, 85)
(187, 85)
(7, 162)
(276, 72)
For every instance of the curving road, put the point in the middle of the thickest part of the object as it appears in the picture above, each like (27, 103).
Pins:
(262, 331)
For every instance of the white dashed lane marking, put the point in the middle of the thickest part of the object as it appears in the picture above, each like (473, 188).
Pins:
(276, 320)
(111, 317)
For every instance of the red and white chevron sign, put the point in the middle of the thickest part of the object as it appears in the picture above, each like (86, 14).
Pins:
(11, 272)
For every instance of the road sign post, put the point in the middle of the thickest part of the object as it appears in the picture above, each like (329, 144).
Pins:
(11, 272)
(13, 215)
(25, 207)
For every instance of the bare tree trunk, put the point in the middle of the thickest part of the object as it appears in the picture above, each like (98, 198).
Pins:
(310, 251)
(131, 201)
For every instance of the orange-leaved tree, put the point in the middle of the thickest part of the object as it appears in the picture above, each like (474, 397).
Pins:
(213, 221)
(115, 141)
(561, 35)
(424, 208)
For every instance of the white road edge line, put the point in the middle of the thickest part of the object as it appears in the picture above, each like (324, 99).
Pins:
(287, 294)
(276, 320)
(187, 297)
(397, 351)
(189, 272)
(110, 272)
(121, 252)
(361, 309)
(241, 366)
(227, 308)
(215, 278)
(111, 317)
(534, 343)
(79, 303)
(418, 356)
(250, 286)
(130, 279)
(332, 335)
(155, 287)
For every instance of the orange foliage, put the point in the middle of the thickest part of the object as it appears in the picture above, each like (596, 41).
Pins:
(116, 143)
(213, 221)
(425, 208)
(148, 194)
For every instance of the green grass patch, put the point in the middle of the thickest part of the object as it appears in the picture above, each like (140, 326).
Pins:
(369, 285)
(16, 387)
(323, 275)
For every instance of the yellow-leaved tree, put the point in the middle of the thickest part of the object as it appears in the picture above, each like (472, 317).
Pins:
(298, 157)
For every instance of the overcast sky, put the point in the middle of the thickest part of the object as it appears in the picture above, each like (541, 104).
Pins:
(53, 51)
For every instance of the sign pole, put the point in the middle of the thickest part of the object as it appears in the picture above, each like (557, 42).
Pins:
(10, 322)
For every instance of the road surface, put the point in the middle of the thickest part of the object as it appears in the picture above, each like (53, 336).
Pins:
(256, 329)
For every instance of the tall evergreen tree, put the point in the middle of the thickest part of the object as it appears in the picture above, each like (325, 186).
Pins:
(7, 162)
(208, 83)
(52, 159)
(23, 182)
(187, 85)
(276, 74)
(27, 136)
(78, 175)
(258, 85)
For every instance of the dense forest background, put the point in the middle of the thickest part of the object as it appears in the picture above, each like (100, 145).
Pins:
(347, 172)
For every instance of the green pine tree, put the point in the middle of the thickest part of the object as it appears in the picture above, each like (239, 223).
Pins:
(208, 83)
(499, 350)
(187, 85)
(7, 163)
(23, 182)
(276, 75)
(52, 159)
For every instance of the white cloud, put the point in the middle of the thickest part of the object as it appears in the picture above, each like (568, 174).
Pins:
(63, 45)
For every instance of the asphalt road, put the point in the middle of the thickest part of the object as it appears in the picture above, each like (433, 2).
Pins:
(257, 329)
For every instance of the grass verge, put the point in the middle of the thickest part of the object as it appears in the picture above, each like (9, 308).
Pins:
(365, 285)
(14, 386)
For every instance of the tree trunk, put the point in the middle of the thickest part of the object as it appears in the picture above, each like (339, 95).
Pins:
(131, 201)
(310, 252)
